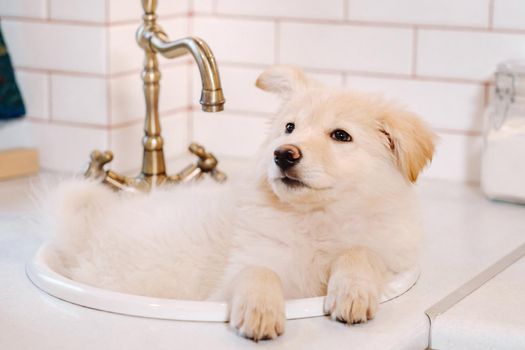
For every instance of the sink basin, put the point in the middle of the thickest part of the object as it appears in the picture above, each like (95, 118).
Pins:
(41, 272)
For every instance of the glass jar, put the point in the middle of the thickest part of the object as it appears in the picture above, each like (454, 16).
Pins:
(503, 158)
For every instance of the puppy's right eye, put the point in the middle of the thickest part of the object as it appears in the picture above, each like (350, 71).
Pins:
(289, 128)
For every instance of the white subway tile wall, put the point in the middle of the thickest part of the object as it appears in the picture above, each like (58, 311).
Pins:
(244, 96)
(124, 54)
(34, 88)
(174, 129)
(230, 134)
(435, 57)
(78, 68)
(334, 79)
(445, 105)
(239, 84)
(457, 157)
(65, 147)
(127, 97)
(24, 8)
(203, 6)
(79, 99)
(346, 47)
(465, 54)
(474, 13)
(509, 14)
(237, 40)
(326, 9)
(174, 92)
(131, 10)
(56, 46)
(127, 146)
(78, 10)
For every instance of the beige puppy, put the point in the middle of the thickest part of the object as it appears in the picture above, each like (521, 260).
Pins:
(335, 214)
(329, 210)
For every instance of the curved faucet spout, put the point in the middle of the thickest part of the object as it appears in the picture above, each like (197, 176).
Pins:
(212, 98)
(152, 39)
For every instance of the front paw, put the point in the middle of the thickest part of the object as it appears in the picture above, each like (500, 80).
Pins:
(258, 315)
(351, 300)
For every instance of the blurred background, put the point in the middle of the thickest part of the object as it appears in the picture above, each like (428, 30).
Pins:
(78, 68)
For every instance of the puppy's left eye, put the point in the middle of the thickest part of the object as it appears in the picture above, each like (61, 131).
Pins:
(341, 136)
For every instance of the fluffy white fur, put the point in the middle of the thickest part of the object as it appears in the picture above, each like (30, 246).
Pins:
(350, 226)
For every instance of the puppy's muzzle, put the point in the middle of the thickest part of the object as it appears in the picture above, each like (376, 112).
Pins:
(286, 156)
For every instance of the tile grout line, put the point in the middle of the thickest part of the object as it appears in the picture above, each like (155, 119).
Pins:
(49, 77)
(470, 133)
(486, 93)
(108, 82)
(346, 10)
(166, 114)
(256, 66)
(491, 15)
(170, 113)
(48, 11)
(107, 15)
(277, 42)
(165, 65)
(415, 44)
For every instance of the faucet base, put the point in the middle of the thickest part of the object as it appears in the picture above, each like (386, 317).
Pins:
(206, 164)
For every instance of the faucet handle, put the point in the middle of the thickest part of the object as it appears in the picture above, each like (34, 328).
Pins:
(95, 168)
(207, 162)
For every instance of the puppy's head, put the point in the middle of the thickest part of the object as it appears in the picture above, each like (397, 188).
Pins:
(326, 144)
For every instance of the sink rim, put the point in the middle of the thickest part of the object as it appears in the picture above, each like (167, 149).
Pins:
(51, 282)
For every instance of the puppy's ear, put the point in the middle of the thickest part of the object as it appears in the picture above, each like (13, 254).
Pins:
(284, 80)
(410, 140)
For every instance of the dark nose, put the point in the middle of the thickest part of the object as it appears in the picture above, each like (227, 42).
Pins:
(287, 156)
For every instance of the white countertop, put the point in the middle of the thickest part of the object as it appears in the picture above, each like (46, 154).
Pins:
(492, 317)
(464, 234)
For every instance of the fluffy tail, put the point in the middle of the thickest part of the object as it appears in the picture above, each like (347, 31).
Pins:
(70, 210)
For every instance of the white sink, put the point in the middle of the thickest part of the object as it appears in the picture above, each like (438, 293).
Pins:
(41, 272)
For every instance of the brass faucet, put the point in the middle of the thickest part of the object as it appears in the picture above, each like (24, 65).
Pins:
(152, 39)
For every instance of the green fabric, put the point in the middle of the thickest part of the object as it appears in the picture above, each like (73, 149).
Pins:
(11, 103)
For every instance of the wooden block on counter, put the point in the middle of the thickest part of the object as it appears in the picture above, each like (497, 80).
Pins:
(18, 162)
